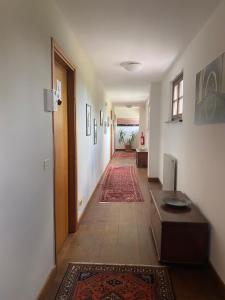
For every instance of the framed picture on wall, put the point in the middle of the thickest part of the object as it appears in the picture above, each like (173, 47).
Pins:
(95, 131)
(210, 93)
(101, 117)
(88, 119)
(105, 127)
(107, 121)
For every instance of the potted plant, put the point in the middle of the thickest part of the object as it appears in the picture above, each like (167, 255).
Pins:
(122, 137)
(127, 142)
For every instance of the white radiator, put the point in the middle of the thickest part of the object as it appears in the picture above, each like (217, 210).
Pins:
(169, 172)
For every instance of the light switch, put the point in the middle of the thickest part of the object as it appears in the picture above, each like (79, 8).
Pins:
(46, 164)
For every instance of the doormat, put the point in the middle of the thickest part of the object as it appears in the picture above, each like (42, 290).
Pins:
(115, 282)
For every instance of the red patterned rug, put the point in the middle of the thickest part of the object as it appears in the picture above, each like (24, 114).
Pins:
(124, 154)
(115, 282)
(120, 185)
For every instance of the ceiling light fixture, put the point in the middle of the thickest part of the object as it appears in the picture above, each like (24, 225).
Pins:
(131, 66)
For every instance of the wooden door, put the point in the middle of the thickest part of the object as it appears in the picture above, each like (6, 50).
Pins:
(61, 158)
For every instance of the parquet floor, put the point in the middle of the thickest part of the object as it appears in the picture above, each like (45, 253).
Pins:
(119, 233)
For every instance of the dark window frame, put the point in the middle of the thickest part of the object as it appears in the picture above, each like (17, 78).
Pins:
(176, 83)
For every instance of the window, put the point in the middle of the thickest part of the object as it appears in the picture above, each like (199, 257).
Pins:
(177, 100)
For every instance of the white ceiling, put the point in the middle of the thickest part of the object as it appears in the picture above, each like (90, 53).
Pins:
(125, 112)
(153, 32)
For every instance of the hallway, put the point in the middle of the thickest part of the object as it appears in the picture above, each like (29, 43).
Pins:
(81, 79)
(119, 233)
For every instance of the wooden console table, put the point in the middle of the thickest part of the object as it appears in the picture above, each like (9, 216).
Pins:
(141, 158)
(180, 235)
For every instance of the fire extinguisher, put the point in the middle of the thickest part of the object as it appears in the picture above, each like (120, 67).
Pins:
(142, 139)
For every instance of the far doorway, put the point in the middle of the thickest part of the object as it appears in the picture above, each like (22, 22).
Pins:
(129, 125)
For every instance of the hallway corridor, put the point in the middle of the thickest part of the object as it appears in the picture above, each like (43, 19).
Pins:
(119, 233)
(81, 79)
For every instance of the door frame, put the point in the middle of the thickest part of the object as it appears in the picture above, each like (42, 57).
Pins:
(111, 144)
(111, 135)
(58, 55)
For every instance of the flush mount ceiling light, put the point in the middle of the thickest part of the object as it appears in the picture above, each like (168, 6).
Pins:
(131, 66)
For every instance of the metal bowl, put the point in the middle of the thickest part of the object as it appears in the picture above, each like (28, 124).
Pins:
(176, 202)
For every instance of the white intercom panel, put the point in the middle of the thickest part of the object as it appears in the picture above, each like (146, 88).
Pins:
(50, 100)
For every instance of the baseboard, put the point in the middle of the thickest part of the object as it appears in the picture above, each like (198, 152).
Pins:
(221, 284)
(43, 293)
(125, 150)
(86, 207)
(153, 179)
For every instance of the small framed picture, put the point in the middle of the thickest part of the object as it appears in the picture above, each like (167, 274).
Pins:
(88, 119)
(101, 117)
(105, 127)
(95, 131)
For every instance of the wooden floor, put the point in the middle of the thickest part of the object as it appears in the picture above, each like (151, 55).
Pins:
(119, 233)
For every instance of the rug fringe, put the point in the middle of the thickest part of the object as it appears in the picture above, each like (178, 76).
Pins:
(117, 264)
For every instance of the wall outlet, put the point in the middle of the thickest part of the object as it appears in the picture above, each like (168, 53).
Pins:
(81, 202)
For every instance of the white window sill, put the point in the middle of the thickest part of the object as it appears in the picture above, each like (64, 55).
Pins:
(174, 121)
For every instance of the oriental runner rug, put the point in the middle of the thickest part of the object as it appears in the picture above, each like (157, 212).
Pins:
(120, 185)
(115, 282)
(124, 154)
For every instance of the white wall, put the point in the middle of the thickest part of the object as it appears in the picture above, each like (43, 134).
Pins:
(200, 150)
(154, 130)
(92, 159)
(26, 191)
(142, 124)
(147, 122)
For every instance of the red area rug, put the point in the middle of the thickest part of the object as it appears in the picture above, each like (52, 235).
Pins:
(124, 154)
(115, 282)
(120, 185)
